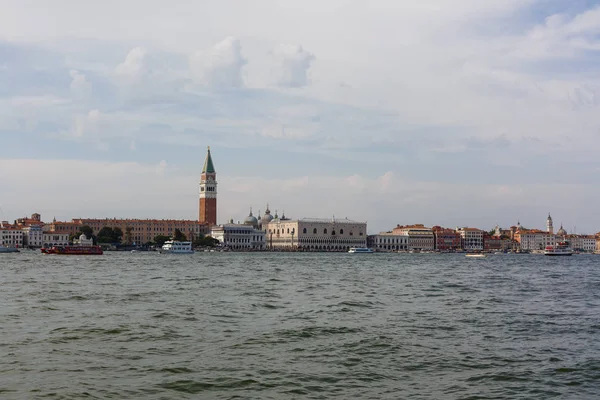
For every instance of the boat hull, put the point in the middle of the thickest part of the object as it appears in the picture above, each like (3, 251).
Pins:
(74, 250)
(558, 254)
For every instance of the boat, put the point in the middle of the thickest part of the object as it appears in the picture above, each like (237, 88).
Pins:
(475, 255)
(560, 249)
(360, 250)
(4, 249)
(74, 250)
(176, 247)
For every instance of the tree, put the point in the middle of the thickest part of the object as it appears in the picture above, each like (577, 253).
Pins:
(110, 235)
(206, 241)
(179, 236)
(161, 239)
(89, 232)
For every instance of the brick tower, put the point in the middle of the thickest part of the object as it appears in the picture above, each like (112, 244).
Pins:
(208, 192)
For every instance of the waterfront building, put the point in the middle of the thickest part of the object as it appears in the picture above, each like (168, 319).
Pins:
(55, 239)
(33, 236)
(10, 236)
(492, 243)
(140, 231)
(534, 239)
(208, 192)
(471, 238)
(586, 243)
(419, 236)
(387, 241)
(239, 236)
(446, 239)
(315, 234)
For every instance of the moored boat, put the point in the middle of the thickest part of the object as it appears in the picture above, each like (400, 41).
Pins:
(475, 255)
(4, 249)
(176, 247)
(360, 250)
(74, 250)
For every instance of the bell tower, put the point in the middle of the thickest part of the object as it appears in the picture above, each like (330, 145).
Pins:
(549, 225)
(208, 192)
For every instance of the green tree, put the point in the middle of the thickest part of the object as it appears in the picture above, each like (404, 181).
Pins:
(179, 236)
(161, 239)
(110, 235)
(128, 234)
(89, 232)
(206, 241)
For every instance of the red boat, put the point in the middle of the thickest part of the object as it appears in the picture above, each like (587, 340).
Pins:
(74, 250)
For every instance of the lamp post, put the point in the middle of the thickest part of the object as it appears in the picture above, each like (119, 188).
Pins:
(293, 230)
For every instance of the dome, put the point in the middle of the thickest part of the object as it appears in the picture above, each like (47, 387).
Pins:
(267, 217)
(251, 219)
(561, 231)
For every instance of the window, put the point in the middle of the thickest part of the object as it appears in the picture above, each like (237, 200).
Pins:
(315, 231)
(325, 231)
(333, 232)
(359, 233)
(304, 230)
(341, 231)
(288, 230)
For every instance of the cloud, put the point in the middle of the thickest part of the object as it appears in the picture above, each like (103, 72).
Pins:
(294, 65)
(221, 66)
(80, 86)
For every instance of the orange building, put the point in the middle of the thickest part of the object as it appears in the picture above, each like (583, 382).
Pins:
(208, 192)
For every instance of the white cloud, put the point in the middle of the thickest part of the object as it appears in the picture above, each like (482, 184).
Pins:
(80, 86)
(221, 66)
(294, 65)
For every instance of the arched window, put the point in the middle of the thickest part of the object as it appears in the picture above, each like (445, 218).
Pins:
(359, 233)
(278, 231)
(333, 232)
(315, 231)
(288, 230)
(341, 231)
(304, 230)
(325, 231)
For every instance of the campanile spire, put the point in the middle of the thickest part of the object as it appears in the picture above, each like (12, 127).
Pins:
(208, 192)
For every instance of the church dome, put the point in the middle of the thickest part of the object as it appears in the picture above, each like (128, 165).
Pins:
(251, 219)
(561, 231)
(267, 217)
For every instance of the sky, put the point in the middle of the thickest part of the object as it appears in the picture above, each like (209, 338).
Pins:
(441, 112)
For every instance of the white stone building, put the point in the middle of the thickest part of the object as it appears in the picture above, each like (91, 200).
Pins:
(388, 241)
(535, 239)
(239, 236)
(33, 236)
(55, 239)
(314, 234)
(419, 237)
(471, 238)
(11, 237)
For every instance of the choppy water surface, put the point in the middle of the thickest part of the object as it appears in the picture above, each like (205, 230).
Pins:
(315, 326)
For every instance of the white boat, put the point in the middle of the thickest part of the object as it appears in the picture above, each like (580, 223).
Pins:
(4, 249)
(360, 250)
(560, 249)
(475, 255)
(175, 247)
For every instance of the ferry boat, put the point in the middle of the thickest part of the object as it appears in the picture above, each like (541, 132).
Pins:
(360, 250)
(175, 247)
(74, 250)
(561, 249)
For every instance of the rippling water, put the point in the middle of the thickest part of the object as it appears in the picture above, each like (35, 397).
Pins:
(315, 326)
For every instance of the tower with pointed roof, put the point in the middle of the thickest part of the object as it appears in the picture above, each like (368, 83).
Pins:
(208, 192)
(549, 225)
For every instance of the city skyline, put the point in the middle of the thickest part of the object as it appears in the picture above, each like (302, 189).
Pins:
(452, 113)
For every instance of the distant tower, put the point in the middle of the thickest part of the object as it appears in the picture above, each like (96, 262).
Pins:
(549, 226)
(208, 192)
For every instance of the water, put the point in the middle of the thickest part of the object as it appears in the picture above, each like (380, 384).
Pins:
(301, 326)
